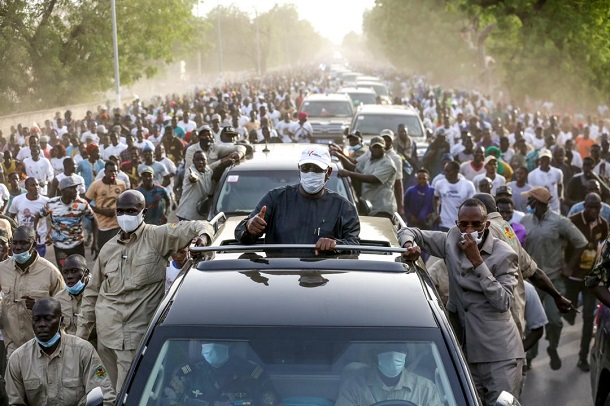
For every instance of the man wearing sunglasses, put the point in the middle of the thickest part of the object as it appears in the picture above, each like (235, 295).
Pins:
(306, 213)
(482, 274)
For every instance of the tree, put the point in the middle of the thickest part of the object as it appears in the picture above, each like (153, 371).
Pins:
(60, 51)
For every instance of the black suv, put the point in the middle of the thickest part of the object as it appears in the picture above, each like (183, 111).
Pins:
(296, 330)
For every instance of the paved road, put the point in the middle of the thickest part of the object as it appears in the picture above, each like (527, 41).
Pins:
(568, 386)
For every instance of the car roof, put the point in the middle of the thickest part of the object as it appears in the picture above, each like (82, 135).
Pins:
(327, 97)
(386, 109)
(357, 90)
(231, 293)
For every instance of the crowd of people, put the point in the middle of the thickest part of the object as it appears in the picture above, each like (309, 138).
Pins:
(541, 184)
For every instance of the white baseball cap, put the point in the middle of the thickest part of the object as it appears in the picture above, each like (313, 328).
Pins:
(317, 156)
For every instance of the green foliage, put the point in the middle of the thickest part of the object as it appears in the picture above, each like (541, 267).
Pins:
(546, 49)
(283, 39)
(56, 52)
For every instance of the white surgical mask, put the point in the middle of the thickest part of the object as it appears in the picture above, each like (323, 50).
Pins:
(130, 223)
(477, 235)
(313, 182)
(391, 363)
(215, 354)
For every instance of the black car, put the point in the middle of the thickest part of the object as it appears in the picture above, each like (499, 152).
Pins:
(294, 330)
(600, 358)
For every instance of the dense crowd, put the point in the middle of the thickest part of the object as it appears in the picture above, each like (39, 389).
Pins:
(61, 182)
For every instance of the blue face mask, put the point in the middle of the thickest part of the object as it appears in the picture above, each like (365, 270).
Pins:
(51, 342)
(23, 257)
(77, 288)
(355, 148)
(529, 209)
(215, 354)
(391, 363)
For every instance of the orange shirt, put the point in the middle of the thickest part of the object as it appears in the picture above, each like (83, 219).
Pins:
(584, 146)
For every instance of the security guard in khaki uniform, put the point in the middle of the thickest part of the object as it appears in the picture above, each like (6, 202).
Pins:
(24, 279)
(54, 368)
(76, 276)
(220, 377)
(128, 281)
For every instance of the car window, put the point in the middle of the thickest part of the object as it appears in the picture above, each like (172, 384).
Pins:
(240, 193)
(364, 98)
(327, 108)
(302, 371)
(375, 123)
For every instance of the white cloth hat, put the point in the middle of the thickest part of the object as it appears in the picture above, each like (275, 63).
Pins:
(317, 156)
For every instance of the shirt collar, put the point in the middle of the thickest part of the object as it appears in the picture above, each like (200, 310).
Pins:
(133, 236)
(488, 243)
(57, 353)
(375, 380)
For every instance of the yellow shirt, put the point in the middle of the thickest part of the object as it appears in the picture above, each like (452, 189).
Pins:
(128, 282)
(105, 197)
(40, 279)
(63, 378)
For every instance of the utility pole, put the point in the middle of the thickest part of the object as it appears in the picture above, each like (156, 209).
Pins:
(219, 43)
(258, 45)
(115, 45)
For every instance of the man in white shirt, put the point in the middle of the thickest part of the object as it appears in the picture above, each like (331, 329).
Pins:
(449, 194)
(302, 129)
(283, 128)
(39, 168)
(24, 209)
(142, 143)
(549, 177)
(491, 172)
(115, 147)
(186, 123)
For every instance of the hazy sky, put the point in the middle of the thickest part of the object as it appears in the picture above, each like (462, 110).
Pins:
(333, 19)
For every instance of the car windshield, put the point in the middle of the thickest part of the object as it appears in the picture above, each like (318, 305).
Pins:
(241, 192)
(297, 367)
(373, 124)
(380, 89)
(363, 98)
(327, 108)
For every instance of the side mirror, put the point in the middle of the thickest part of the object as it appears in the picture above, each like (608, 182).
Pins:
(507, 399)
(95, 397)
(364, 207)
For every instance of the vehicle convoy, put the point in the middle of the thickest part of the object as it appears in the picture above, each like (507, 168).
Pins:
(360, 95)
(600, 358)
(329, 115)
(295, 331)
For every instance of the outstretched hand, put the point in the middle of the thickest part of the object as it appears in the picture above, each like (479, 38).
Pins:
(257, 224)
(325, 244)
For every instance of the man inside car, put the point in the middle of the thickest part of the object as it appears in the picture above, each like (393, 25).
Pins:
(307, 213)
(219, 376)
(388, 380)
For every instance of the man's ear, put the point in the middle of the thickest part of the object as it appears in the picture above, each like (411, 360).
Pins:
(328, 172)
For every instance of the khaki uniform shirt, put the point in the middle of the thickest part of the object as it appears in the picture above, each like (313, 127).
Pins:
(370, 389)
(381, 195)
(128, 282)
(214, 154)
(40, 279)
(547, 238)
(105, 197)
(64, 378)
(70, 308)
(500, 229)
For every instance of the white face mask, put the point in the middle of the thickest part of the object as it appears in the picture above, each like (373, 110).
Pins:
(313, 182)
(215, 354)
(477, 235)
(391, 363)
(130, 223)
